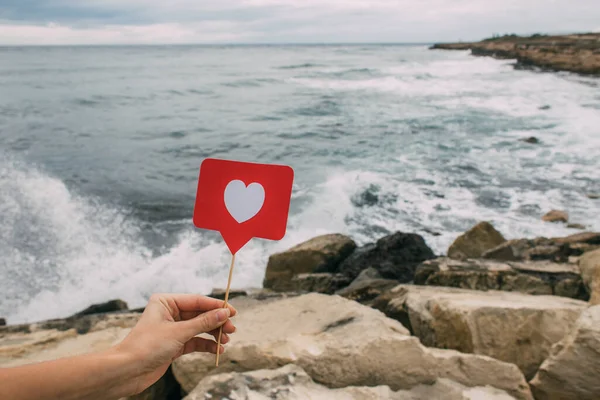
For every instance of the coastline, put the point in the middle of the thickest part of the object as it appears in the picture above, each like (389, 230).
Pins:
(579, 53)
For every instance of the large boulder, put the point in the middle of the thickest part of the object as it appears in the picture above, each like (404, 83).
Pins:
(394, 257)
(474, 242)
(341, 343)
(293, 383)
(531, 277)
(556, 216)
(573, 369)
(511, 327)
(320, 254)
(589, 264)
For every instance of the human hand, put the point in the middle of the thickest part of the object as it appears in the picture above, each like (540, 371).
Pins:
(168, 329)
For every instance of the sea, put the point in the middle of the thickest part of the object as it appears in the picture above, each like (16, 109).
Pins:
(100, 149)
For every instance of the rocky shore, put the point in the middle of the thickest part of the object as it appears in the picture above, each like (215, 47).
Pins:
(491, 319)
(578, 53)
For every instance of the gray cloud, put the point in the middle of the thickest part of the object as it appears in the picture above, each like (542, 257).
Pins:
(276, 21)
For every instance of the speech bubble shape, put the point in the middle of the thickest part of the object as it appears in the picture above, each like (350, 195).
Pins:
(243, 200)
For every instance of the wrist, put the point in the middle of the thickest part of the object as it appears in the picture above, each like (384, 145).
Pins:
(128, 366)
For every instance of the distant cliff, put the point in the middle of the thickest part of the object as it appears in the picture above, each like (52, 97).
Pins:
(575, 53)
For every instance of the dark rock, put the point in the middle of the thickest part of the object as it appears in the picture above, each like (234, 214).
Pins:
(394, 257)
(2, 322)
(321, 283)
(545, 107)
(320, 254)
(476, 241)
(512, 250)
(576, 226)
(109, 306)
(367, 274)
(530, 140)
(220, 294)
(366, 291)
(593, 196)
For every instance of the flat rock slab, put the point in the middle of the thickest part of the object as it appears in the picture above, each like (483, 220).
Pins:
(293, 383)
(572, 372)
(341, 343)
(511, 327)
(530, 277)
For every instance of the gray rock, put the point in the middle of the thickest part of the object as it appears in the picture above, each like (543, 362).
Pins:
(293, 383)
(394, 257)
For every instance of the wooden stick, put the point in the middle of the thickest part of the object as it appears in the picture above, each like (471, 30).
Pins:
(225, 306)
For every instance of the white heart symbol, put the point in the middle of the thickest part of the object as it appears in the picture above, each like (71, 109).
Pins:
(242, 202)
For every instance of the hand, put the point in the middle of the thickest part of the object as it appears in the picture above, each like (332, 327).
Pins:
(167, 330)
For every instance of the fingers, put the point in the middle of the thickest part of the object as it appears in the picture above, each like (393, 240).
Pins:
(196, 303)
(185, 315)
(228, 327)
(206, 322)
(201, 345)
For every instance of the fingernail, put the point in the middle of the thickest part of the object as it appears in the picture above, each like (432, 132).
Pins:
(223, 314)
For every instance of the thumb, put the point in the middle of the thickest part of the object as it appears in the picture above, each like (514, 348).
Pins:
(203, 323)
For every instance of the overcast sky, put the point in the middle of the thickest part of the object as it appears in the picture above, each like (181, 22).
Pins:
(285, 21)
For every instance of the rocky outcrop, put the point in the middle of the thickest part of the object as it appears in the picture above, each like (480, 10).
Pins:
(474, 242)
(109, 306)
(511, 327)
(530, 277)
(320, 254)
(572, 370)
(293, 383)
(589, 264)
(394, 257)
(340, 343)
(2, 322)
(575, 53)
(554, 249)
(556, 216)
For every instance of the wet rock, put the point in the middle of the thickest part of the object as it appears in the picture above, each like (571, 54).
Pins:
(2, 322)
(593, 196)
(394, 257)
(572, 369)
(293, 383)
(341, 343)
(109, 306)
(220, 294)
(556, 216)
(589, 264)
(544, 107)
(576, 226)
(511, 327)
(320, 254)
(530, 140)
(474, 242)
(320, 283)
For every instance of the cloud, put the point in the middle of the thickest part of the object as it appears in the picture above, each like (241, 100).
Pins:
(274, 21)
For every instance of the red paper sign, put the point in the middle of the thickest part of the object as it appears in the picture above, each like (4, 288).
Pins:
(243, 200)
